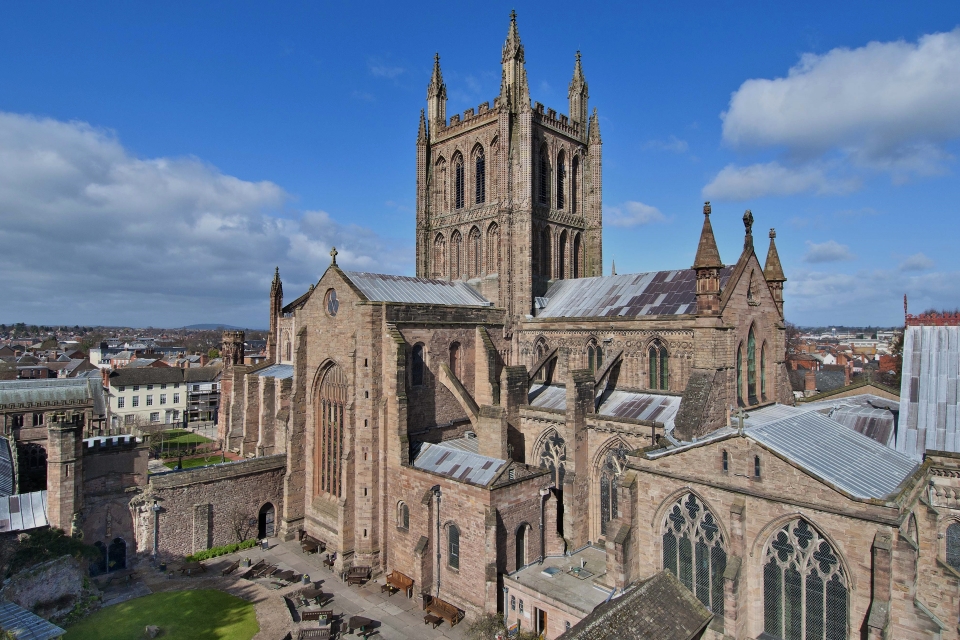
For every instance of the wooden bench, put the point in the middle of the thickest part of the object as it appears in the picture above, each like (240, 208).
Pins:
(249, 572)
(397, 581)
(231, 568)
(436, 621)
(309, 544)
(320, 632)
(314, 614)
(356, 575)
(329, 561)
(442, 608)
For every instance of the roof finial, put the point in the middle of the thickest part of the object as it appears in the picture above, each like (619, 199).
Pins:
(773, 233)
(748, 227)
(613, 267)
(707, 210)
(333, 256)
(708, 256)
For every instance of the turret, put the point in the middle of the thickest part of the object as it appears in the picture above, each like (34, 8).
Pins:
(773, 273)
(707, 265)
(514, 91)
(276, 305)
(436, 99)
(578, 96)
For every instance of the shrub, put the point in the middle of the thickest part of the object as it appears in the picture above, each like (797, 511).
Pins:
(46, 544)
(220, 551)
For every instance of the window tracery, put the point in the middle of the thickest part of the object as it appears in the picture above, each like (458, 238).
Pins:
(544, 194)
(659, 363)
(458, 187)
(453, 546)
(330, 432)
(480, 177)
(614, 464)
(751, 367)
(561, 178)
(493, 248)
(553, 456)
(475, 257)
(693, 550)
(456, 256)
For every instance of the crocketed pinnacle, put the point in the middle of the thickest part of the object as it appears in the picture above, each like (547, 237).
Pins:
(772, 270)
(513, 48)
(579, 83)
(436, 86)
(708, 257)
(422, 132)
(594, 131)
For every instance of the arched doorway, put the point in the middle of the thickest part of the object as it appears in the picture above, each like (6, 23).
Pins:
(522, 546)
(117, 555)
(265, 528)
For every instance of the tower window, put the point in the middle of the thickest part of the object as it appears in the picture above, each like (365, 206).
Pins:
(659, 366)
(561, 179)
(751, 367)
(726, 462)
(544, 176)
(756, 466)
(453, 547)
(481, 178)
(458, 183)
(574, 185)
(417, 366)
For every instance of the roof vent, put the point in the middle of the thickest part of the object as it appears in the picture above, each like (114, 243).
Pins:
(469, 434)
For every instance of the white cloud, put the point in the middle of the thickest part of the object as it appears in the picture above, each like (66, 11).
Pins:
(381, 69)
(673, 143)
(105, 237)
(887, 105)
(916, 262)
(829, 251)
(631, 214)
(773, 179)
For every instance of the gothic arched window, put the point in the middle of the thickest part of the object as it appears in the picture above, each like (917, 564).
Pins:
(576, 261)
(561, 178)
(591, 363)
(455, 357)
(544, 194)
(545, 253)
(458, 185)
(475, 258)
(575, 185)
(439, 256)
(540, 351)
(480, 177)
(417, 366)
(442, 201)
(763, 372)
(659, 366)
(693, 550)
(751, 367)
(614, 464)
(453, 546)
(493, 248)
(804, 587)
(329, 437)
(562, 255)
(553, 456)
(456, 256)
(740, 375)
(522, 545)
(403, 515)
(953, 545)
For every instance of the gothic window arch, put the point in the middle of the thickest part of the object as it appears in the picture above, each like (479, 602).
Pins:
(594, 356)
(544, 186)
(952, 537)
(403, 515)
(439, 256)
(740, 375)
(331, 412)
(694, 550)
(613, 464)
(493, 248)
(453, 546)
(576, 260)
(659, 363)
(575, 185)
(417, 365)
(442, 200)
(522, 540)
(553, 456)
(480, 176)
(493, 181)
(763, 371)
(804, 585)
(458, 181)
(751, 367)
(561, 178)
(475, 257)
(456, 360)
(546, 240)
(456, 256)
(562, 255)
(540, 350)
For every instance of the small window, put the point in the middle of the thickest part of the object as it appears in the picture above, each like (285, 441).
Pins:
(196, 387)
(149, 387)
(726, 462)
(176, 385)
(122, 388)
(136, 401)
(453, 548)
(521, 605)
(163, 398)
(37, 419)
(566, 625)
(366, 394)
(136, 387)
(364, 492)
(364, 422)
(417, 366)
(120, 402)
(163, 385)
(149, 400)
(756, 466)
(365, 362)
(403, 516)
(513, 603)
(155, 416)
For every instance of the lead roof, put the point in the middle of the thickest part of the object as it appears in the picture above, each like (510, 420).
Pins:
(380, 287)
(457, 461)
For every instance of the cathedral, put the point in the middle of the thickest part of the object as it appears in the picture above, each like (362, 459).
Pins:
(511, 407)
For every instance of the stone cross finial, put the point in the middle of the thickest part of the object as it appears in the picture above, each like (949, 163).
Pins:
(706, 208)
(333, 256)
(773, 233)
(741, 415)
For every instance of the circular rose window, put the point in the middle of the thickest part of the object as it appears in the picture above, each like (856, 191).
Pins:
(331, 302)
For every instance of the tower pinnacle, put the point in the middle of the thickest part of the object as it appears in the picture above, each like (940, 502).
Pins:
(513, 87)
(578, 96)
(708, 256)
(436, 99)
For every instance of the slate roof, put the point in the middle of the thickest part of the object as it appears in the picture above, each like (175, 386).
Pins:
(655, 293)
(54, 391)
(849, 461)
(659, 608)
(23, 511)
(278, 371)
(25, 625)
(456, 462)
(929, 406)
(380, 287)
(162, 375)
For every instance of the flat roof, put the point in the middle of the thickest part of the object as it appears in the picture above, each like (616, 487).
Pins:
(553, 579)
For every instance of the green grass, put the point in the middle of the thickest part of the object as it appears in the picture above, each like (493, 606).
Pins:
(175, 436)
(189, 463)
(202, 614)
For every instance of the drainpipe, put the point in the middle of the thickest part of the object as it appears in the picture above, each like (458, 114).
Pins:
(436, 492)
(543, 541)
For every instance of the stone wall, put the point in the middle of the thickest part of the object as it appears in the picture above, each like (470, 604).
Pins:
(202, 508)
(51, 587)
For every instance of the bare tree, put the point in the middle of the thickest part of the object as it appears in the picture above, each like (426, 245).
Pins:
(240, 523)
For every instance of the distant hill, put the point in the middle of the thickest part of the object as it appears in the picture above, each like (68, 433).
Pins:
(209, 326)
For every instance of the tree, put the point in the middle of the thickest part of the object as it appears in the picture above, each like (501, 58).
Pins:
(213, 353)
(240, 524)
(793, 338)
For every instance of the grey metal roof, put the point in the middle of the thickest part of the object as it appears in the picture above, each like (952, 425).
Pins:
(929, 414)
(23, 511)
(7, 479)
(26, 625)
(456, 463)
(865, 413)
(616, 404)
(53, 391)
(828, 450)
(547, 396)
(632, 294)
(278, 371)
(386, 288)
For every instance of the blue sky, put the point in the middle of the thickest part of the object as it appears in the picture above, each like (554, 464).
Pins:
(157, 161)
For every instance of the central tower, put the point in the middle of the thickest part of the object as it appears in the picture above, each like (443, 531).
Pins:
(509, 197)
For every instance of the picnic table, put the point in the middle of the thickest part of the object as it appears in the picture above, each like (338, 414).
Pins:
(188, 568)
(309, 593)
(358, 623)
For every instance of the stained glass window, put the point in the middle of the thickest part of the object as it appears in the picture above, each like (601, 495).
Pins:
(481, 178)
(693, 550)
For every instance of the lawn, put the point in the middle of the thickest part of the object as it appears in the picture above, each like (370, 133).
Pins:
(180, 436)
(203, 614)
(195, 462)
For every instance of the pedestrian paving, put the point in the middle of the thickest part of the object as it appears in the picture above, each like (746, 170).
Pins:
(399, 617)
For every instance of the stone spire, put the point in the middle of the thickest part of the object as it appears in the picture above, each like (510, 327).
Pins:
(578, 96)
(773, 272)
(422, 131)
(594, 130)
(513, 87)
(276, 309)
(613, 267)
(707, 254)
(436, 99)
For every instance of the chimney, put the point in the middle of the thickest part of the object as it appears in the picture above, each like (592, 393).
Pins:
(810, 383)
(203, 360)
(105, 377)
(847, 370)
